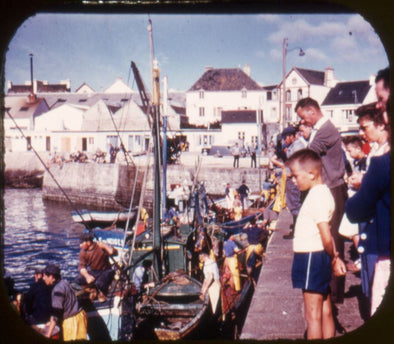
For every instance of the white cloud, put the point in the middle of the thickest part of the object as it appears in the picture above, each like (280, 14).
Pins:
(315, 54)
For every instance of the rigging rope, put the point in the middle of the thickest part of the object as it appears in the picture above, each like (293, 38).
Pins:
(48, 170)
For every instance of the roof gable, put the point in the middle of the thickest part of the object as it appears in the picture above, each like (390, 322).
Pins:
(239, 116)
(21, 107)
(313, 77)
(351, 92)
(118, 87)
(84, 88)
(225, 79)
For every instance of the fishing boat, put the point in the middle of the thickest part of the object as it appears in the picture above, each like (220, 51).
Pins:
(103, 218)
(173, 308)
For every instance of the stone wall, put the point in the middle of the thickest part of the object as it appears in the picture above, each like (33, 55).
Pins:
(110, 186)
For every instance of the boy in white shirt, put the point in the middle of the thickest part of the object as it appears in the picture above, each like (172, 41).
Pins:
(314, 251)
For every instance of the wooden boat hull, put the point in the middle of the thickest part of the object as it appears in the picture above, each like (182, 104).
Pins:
(173, 309)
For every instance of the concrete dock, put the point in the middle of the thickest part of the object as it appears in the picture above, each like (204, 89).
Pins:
(276, 310)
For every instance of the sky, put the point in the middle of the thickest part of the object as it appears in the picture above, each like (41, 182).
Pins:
(98, 48)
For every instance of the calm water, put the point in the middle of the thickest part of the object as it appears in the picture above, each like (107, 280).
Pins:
(36, 233)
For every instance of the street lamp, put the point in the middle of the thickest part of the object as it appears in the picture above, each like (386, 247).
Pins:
(285, 51)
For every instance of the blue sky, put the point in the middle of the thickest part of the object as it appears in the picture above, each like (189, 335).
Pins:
(97, 49)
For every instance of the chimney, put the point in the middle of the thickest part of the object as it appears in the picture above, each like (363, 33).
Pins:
(247, 69)
(9, 86)
(329, 77)
(207, 68)
(31, 73)
(372, 79)
(31, 98)
(66, 82)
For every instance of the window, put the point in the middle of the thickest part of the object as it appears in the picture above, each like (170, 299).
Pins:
(288, 96)
(269, 95)
(348, 114)
(244, 93)
(201, 111)
(131, 143)
(113, 140)
(241, 135)
(330, 113)
(24, 108)
(288, 114)
(82, 100)
(138, 140)
(299, 94)
(201, 94)
(91, 140)
(273, 112)
(48, 143)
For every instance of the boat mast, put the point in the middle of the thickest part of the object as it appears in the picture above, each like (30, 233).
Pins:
(158, 247)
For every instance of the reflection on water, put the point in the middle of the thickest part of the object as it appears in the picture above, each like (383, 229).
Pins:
(36, 233)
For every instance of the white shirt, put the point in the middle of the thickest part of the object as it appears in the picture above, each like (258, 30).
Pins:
(318, 207)
(210, 267)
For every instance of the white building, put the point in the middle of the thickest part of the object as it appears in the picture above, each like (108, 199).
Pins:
(222, 89)
(342, 100)
(301, 83)
(21, 113)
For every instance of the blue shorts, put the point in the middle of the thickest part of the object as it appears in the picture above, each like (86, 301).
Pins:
(311, 271)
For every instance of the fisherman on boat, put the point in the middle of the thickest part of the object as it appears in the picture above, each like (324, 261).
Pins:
(172, 217)
(237, 208)
(211, 284)
(94, 265)
(65, 307)
(141, 276)
(231, 266)
(36, 302)
(254, 252)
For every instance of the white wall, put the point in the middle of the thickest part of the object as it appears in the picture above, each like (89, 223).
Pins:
(212, 101)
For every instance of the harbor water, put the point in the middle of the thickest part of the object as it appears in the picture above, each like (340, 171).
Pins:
(36, 233)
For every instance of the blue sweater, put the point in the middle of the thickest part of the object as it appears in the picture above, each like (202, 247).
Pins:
(371, 204)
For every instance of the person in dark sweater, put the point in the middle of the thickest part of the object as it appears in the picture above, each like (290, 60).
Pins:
(36, 303)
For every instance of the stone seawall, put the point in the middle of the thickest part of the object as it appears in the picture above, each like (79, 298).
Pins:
(110, 186)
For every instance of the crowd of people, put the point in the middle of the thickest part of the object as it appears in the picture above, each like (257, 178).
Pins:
(343, 193)
(336, 188)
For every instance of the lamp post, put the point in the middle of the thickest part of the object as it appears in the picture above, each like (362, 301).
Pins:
(284, 52)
